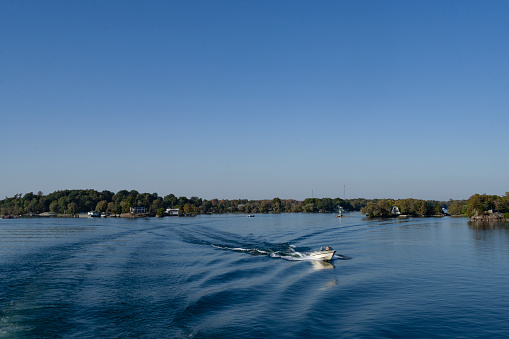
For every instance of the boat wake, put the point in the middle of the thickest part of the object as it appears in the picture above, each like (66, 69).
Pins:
(287, 253)
(252, 245)
(283, 251)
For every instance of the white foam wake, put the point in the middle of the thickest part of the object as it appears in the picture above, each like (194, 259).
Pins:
(289, 254)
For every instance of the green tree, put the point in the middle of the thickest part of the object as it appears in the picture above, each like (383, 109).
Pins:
(265, 206)
(33, 206)
(101, 206)
(480, 204)
(276, 205)
(310, 205)
(205, 207)
(53, 207)
(502, 203)
(457, 208)
(72, 208)
(195, 201)
(380, 209)
(120, 196)
(183, 201)
(405, 206)
(124, 206)
(325, 205)
(107, 195)
(422, 207)
(157, 204)
(170, 201)
(130, 202)
(308, 208)
(189, 209)
(242, 209)
(296, 207)
(62, 204)
(111, 207)
(437, 208)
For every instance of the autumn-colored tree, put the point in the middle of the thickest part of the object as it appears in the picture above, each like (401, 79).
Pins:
(189, 209)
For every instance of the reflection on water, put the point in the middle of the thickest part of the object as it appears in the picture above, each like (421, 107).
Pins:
(330, 284)
(322, 265)
(488, 225)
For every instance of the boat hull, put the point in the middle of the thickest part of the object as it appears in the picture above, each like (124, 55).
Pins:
(323, 255)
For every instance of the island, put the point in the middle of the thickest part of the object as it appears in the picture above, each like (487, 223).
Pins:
(132, 204)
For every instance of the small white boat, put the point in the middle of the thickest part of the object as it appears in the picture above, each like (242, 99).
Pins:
(250, 215)
(323, 255)
(93, 214)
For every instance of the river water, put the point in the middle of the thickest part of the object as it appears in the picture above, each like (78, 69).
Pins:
(230, 276)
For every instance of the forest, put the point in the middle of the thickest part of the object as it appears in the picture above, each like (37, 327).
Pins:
(72, 202)
(383, 208)
(478, 203)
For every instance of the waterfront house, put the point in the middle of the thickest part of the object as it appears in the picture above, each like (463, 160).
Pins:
(172, 212)
(395, 210)
(137, 209)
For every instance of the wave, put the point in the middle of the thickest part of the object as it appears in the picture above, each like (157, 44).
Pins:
(290, 254)
(283, 250)
(253, 245)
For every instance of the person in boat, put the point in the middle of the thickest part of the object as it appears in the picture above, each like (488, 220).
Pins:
(321, 248)
(327, 248)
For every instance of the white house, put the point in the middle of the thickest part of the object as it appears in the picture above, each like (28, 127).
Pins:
(137, 209)
(395, 210)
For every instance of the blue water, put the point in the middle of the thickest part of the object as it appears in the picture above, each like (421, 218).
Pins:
(230, 276)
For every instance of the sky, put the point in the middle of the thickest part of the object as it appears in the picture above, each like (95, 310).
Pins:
(255, 99)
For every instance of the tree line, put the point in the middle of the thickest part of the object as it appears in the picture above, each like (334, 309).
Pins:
(478, 203)
(383, 208)
(481, 204)
(80, 201)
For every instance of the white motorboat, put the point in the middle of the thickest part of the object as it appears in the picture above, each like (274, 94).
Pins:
(323, 255)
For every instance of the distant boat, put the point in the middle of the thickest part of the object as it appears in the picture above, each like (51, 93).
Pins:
(339, 212)
(250, 215)
(93, 214)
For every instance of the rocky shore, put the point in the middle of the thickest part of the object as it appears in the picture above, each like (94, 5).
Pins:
(489, 216)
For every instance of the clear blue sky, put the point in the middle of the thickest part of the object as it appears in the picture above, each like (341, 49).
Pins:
(256, 99)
